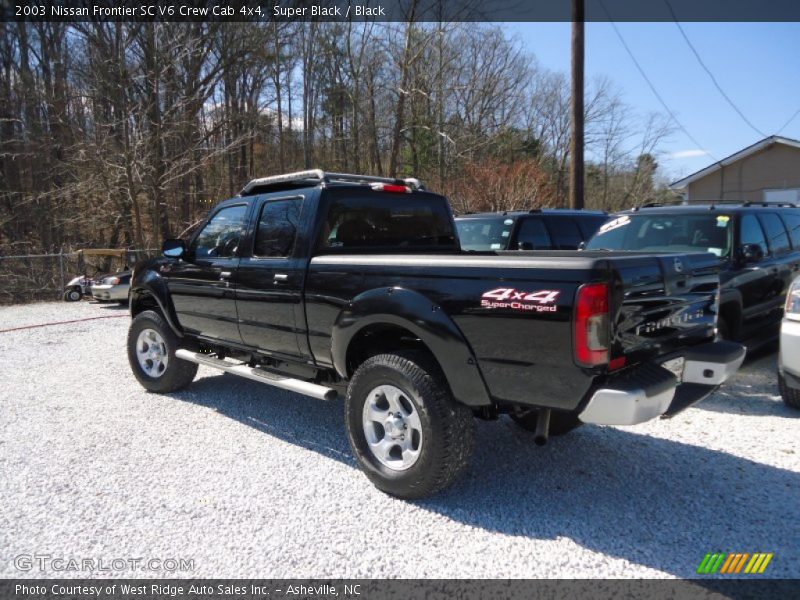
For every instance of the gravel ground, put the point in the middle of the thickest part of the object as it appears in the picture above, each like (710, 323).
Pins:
(249, 481)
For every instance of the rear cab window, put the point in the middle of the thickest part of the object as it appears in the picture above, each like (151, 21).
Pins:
(365, 220)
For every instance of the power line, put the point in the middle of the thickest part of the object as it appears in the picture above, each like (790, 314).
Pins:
(650, 83)
(785, 125)
(710, 74)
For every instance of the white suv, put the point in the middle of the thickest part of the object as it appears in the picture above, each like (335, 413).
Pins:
(789, 358)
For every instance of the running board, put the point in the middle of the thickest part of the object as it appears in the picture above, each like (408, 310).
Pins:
(242, 370)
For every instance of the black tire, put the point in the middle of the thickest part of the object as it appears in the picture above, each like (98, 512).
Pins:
(73, 295)
(447, 427)
(178, 373)
(560, 422)
(791, 396)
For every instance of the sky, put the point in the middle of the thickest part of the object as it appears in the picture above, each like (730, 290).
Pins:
(756, 64)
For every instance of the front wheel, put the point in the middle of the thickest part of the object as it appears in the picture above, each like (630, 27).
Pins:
(73, 295)
(151, 354)
(408, 434)
(791, 396)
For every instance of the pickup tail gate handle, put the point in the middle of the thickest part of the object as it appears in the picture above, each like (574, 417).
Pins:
(280, 277)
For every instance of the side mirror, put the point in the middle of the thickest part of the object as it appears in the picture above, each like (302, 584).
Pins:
(173, 248)
(524, 246)
(582, 246)
(751, 253)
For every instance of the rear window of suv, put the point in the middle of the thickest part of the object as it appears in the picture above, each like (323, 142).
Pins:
(666, 233)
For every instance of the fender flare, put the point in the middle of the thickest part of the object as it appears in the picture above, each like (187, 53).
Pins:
(151, 284)
(425, 319)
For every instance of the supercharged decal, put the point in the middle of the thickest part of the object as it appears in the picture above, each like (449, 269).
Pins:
(540, 301)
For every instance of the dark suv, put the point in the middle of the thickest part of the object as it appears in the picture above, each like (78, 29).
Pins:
(540, 229)
(757, 244)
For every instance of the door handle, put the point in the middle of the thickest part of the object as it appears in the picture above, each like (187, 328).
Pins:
(280, 277)
(225, 275)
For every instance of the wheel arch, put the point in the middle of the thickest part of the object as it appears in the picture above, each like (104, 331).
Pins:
(389, 319)
(151, 293)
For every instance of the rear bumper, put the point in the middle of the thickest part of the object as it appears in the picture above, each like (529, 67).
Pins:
(649, 390)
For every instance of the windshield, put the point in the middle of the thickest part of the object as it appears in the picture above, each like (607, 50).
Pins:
(491, 233)
(665, 233)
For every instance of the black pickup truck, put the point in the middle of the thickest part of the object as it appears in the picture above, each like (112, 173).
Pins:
(335, 285)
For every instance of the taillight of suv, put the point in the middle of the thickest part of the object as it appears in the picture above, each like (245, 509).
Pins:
(591, 330)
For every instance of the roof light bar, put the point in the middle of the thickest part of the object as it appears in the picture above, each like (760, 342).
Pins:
(323, 177)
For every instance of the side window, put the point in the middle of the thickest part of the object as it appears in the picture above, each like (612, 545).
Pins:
(590, 225)
(277, 228)
(221, 236)
(777, 238)
(566, 234)
(792, 221)
(533, 232)
(752, 233)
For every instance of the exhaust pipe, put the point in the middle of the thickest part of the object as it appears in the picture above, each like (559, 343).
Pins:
(542, 427)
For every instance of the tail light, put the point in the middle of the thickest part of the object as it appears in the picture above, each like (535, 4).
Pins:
(591, 325)
(793, 300)
(389, 187)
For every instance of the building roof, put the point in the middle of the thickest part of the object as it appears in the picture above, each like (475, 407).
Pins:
(749, 151)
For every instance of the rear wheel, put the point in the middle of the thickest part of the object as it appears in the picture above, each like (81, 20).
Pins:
(560, 422)
(408, 434)
(791, 396)
(151, 354)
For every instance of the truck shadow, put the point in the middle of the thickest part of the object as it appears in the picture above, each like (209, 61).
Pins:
(654, 502)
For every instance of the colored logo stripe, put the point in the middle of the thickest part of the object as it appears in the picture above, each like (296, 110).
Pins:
(734, 562)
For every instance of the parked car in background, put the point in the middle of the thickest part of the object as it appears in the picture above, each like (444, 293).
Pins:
(789, 356)
(114, 287)
(758, 246)
(107, 261)
(539, 229)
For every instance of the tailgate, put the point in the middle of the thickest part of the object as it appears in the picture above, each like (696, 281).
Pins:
(663, 302)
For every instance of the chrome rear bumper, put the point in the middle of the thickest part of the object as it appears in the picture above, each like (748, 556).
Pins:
(649, 390)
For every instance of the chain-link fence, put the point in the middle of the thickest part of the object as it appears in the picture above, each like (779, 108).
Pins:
(37, 277)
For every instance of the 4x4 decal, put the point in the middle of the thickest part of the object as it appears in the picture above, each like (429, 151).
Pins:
(539, 301)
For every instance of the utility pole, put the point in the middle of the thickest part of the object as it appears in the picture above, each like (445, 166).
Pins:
(576, 141)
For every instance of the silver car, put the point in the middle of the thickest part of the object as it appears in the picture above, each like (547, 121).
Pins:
(113, 287)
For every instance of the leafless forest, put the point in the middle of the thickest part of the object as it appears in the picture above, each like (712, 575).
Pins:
(121, 134)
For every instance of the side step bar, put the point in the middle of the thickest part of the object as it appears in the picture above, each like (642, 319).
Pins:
(285, 383)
